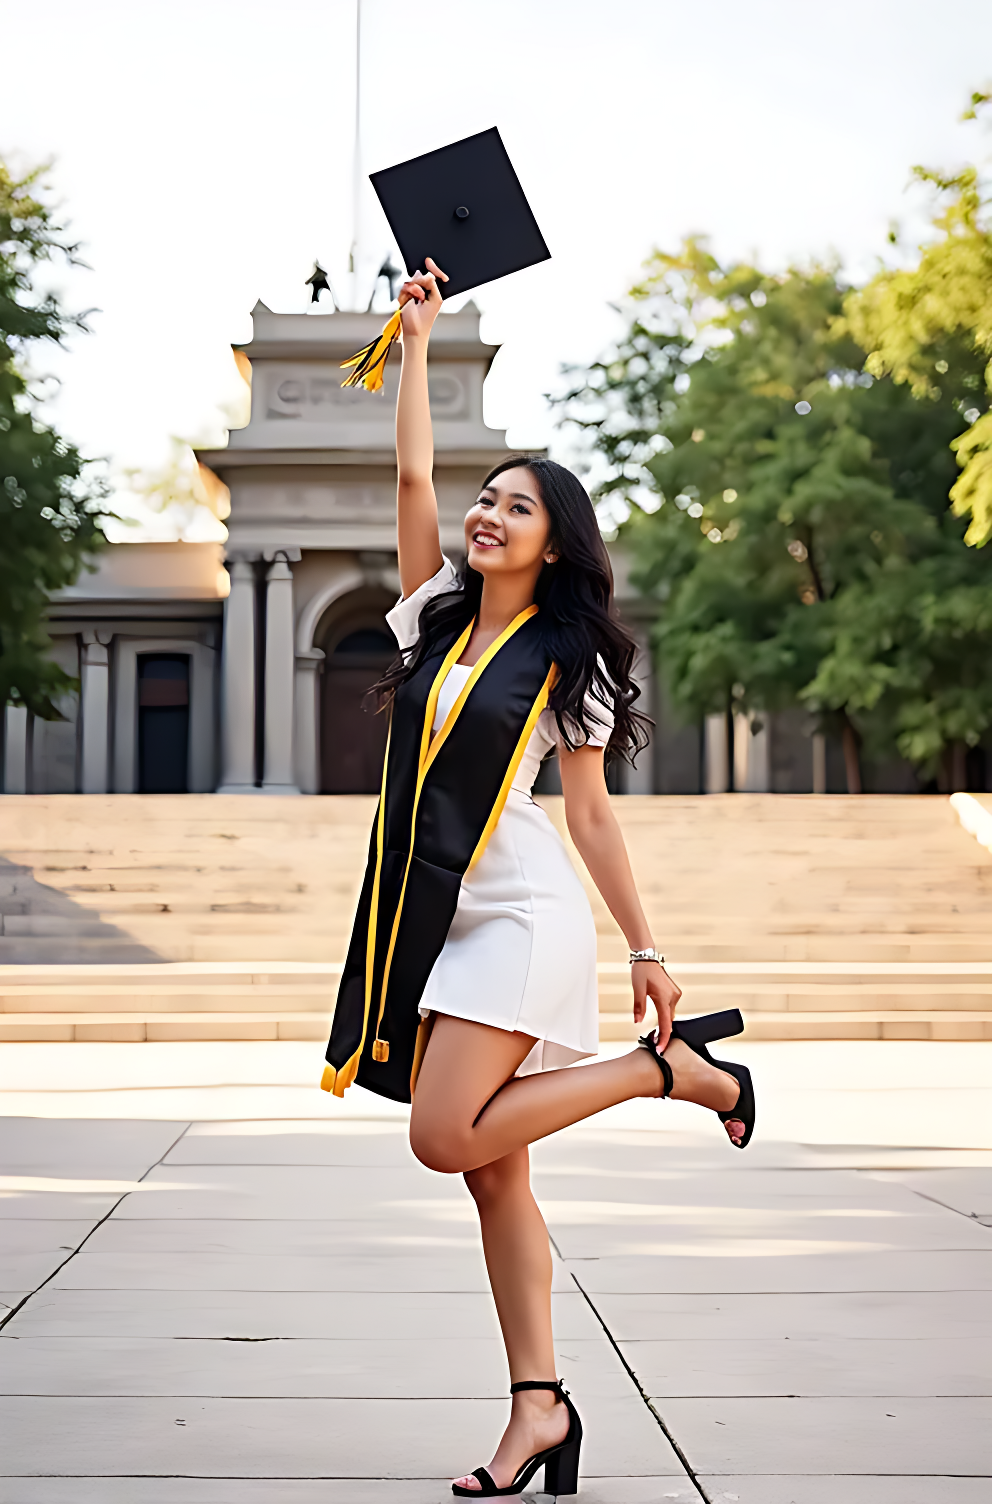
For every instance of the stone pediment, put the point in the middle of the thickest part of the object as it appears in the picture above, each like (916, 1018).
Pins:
(300, 407)
(335, 336)
(315, 466)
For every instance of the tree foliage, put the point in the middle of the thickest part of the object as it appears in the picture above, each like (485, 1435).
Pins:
(49, 513)
(914, 322)
(789, 511)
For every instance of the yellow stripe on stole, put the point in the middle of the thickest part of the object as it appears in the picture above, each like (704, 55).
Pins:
(338, 1081)
(420, 1050)
(380, 1048)
(538, 706)
(428, 754)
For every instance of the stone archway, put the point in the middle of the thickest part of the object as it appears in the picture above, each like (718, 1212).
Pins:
(358, 646)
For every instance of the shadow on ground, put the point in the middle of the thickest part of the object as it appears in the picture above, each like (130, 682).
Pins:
(39, 925)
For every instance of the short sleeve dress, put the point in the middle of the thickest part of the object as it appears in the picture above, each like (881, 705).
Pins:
(521, 950)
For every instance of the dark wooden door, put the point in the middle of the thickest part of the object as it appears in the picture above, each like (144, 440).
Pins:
(352, 735)
(163, 723)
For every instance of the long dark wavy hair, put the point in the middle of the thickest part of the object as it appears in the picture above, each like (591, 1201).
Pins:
(592, 648)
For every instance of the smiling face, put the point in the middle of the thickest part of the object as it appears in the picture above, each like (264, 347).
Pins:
(508, 530)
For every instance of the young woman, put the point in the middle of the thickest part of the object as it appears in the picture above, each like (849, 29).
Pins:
(474, 954)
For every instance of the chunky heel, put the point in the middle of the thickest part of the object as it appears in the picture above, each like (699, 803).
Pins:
(560, 1463)
(561, 1472)
(710, 1027)
(697, 1033)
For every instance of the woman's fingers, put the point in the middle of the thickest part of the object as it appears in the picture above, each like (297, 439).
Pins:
(640, 996)
(432, 266)
(665, 994)
(663, 1007)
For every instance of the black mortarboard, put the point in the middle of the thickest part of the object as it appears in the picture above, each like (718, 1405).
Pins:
(462, 205)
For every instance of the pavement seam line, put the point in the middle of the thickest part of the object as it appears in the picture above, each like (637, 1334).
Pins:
(637, 1385)
(972, 1217)
(105, 1218)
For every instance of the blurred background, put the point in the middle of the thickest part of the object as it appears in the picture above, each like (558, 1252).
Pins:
(203, 153)
(762, 339)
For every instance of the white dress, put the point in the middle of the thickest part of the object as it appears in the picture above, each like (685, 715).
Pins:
(521, 950)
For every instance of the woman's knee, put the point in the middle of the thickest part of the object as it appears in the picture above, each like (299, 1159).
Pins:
(437, 1144)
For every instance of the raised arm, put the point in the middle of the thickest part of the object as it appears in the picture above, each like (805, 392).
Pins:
(418, 536)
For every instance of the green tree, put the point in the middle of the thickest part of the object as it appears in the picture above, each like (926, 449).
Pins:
(49, 512)
(915, 325)
(768, 488)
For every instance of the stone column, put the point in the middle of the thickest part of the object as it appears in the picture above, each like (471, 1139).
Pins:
(307, 720)
(715, 754)
(237, 676)
(95, 710)
(279, 676)
(751, 771)
(15, 750)
(819, 754)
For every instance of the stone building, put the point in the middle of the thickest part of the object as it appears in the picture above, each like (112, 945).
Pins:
(243, 667)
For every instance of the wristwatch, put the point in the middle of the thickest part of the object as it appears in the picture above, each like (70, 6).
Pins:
(650, 954)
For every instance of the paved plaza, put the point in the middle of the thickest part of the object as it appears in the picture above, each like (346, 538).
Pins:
(265, 1299)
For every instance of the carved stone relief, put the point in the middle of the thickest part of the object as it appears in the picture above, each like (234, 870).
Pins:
(312, 393)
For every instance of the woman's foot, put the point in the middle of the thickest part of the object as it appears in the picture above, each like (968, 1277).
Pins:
(698, 1081)
(538, 1419)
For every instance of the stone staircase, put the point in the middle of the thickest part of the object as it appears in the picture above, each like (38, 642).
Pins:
(226, 917)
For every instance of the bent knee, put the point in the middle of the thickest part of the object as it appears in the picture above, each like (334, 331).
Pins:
(438, 1146)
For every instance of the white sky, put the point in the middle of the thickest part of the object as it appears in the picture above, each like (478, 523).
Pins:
(203, 152)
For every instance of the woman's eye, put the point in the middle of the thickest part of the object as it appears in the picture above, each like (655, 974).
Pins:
(484, 501)
(519, 507)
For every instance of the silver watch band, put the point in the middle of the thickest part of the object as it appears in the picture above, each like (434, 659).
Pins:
(647, 955)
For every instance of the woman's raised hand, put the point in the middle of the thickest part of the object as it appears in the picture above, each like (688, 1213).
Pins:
(650, 980)
(420, 300)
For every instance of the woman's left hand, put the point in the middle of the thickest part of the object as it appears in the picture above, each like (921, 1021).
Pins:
(650, 980)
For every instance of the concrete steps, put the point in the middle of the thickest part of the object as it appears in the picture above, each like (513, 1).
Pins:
(227, 917)
(815, 1000)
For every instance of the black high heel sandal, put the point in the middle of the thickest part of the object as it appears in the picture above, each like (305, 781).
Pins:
(560, 1463)
(697, 1033)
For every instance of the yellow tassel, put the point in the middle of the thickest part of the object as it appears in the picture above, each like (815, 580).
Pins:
(327, 1079)
(380, 1050)
(370, 362)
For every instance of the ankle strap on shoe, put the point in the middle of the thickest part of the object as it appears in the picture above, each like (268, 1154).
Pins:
(537, 1384)
(649, 1042)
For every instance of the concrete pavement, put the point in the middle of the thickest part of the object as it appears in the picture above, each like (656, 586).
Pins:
(285, 1309)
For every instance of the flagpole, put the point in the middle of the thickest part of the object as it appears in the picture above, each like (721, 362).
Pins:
(356, 162)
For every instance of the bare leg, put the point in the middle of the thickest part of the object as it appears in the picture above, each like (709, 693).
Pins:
(467, 1063)
(518, 1258)
(469, 1116)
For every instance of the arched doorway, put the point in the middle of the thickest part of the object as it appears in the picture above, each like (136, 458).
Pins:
(163, 723)
(358, 647)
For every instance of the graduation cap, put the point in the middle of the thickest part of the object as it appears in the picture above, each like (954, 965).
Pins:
(463, 206)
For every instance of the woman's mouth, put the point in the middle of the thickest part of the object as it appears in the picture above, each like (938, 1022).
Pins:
(486, 540)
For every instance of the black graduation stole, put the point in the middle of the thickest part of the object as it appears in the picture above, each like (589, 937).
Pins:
(439, 804)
